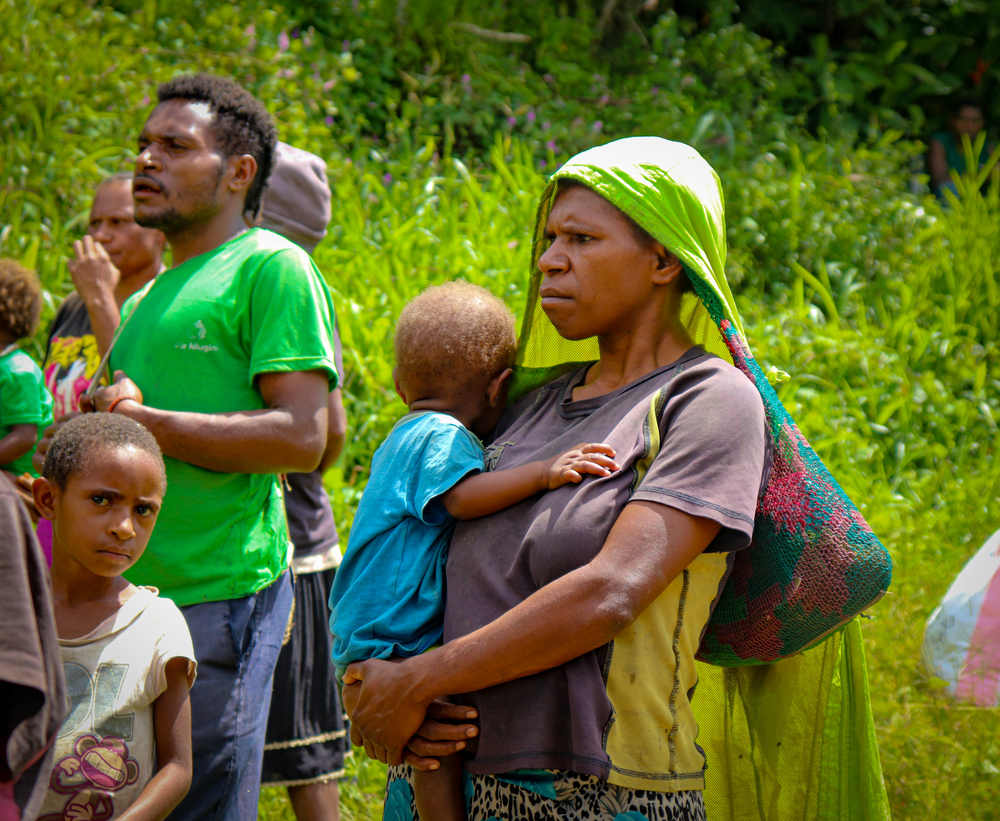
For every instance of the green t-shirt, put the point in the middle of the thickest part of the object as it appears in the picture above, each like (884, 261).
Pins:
(201, 334)
(23, 401)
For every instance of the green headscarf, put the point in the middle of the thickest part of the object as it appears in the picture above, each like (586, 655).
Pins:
(791, 740)
(672, 193)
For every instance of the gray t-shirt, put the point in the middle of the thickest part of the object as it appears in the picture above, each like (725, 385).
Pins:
(690, 435)
(307, 505)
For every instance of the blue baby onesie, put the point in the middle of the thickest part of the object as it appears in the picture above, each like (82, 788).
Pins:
(388, 594)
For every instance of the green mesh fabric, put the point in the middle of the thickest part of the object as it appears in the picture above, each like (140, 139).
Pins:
(793, 740)
(813, 563)
(788, 730)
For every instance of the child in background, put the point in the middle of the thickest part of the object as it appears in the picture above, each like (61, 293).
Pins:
(125, 749)
(455, 346)
(25, 404)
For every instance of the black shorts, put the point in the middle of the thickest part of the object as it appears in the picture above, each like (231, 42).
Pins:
(307, 739)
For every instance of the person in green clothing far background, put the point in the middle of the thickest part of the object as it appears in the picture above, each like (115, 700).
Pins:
(25, 404)
(945, 152)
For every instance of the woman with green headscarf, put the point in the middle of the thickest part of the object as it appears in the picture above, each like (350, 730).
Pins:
(573, 618)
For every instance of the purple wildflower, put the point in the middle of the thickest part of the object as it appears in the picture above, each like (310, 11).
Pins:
(283, 42)
(597, 126)
(512, 121)
(329, 120)
(144, 101)
(250, 30)
(531, 117)
(654, 90)
(603, 101)
(551, 146)
(386, 179)
(295, 34)
(345, 46)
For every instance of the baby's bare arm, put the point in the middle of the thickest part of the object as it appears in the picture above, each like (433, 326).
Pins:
(486, 493)
(438, 793)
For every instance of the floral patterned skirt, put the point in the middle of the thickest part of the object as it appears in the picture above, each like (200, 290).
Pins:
(552, 795)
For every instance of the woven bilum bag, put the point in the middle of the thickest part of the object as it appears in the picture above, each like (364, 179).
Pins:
(814, 563)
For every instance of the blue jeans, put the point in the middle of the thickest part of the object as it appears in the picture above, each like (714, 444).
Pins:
(236, 644)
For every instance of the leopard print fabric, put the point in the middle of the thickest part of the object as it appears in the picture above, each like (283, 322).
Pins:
(577, 798)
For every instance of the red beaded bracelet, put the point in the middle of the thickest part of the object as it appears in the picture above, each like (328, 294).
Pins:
(114, 403)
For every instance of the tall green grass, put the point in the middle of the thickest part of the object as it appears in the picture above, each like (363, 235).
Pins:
(883, 308)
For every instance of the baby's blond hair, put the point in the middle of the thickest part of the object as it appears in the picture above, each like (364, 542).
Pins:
(456, 334)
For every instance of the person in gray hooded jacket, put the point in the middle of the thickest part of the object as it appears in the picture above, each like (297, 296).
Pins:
(306, 740)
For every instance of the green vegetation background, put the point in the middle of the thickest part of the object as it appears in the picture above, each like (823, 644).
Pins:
(883, 308)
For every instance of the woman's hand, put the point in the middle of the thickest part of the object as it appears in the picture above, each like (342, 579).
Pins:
(387, 715)
(23, 485)
(597, 459)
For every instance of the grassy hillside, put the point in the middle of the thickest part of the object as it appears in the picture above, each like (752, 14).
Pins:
(883, 308)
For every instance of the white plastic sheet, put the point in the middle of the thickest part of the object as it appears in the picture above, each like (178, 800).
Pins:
(962, 639)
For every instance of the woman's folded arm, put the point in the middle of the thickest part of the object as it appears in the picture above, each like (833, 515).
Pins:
(648, 547)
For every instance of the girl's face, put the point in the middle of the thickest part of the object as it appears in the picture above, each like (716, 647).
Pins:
(597, 274)
(103, 518)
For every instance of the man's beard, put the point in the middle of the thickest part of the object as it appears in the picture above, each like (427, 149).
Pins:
(172, 220)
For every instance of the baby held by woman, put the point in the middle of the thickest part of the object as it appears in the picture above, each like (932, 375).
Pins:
(455, 346)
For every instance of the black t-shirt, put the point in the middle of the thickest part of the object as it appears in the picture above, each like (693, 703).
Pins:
(71, 356)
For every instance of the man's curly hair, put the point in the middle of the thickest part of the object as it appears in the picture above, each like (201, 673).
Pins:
(241, 124)
(86, 437)
(20, 298)
(456, 333)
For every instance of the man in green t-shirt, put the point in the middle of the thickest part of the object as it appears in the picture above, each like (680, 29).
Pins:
(228, 359)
